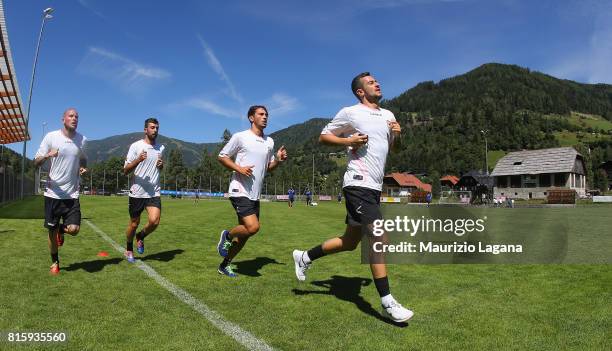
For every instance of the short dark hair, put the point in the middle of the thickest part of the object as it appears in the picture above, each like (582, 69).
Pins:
(356, 83)
(254, 108)
(151, 120)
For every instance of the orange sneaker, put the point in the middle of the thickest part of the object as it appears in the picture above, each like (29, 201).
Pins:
(55, 270)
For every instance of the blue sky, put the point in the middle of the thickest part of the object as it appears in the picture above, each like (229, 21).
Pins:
(198, 65)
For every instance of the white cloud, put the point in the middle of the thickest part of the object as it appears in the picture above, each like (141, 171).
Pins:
(216, 66)
(129, 75)
(87, 4)
(280, 104)
(207, 105)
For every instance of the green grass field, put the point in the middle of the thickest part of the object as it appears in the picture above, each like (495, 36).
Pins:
(109, 304)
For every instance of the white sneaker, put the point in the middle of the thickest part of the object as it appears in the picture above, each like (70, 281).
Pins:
(396, 312)
(300, 265)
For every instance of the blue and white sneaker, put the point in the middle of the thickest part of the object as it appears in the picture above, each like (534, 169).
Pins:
(140, 246)
(129, 255)
(224, 243)
(227, 270)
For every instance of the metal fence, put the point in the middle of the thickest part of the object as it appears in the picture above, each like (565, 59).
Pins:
(10, 184)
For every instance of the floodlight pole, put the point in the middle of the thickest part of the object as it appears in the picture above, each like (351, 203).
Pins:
(484, 132)
(46, 15)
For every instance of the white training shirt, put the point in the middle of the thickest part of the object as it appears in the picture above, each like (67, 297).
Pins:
(248, 149)
(366, 166)
(63, 179)
(146, 174)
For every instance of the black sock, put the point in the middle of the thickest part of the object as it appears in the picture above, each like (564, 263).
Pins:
(382, 285)
(316, 252)
(141, 235)
(226, 262)
(55, 258)
(130, 246)
(62, 228)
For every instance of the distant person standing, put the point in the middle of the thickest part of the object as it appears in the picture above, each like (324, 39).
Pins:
(428, 199)
(291, 195)
(250, 155)
(308, 194)
(144, 158)
(339, 198)
(68, 162)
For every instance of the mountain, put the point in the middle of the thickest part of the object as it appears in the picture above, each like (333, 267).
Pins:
(509, 88)
(514, 108)
(118, 145)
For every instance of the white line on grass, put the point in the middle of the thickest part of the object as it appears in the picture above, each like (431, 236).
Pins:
(242, 336)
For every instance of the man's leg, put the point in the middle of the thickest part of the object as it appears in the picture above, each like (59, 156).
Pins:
(130, 233)
(239, 235)
(348, 242)
(153, 208)
(154, 216)
(53, 250)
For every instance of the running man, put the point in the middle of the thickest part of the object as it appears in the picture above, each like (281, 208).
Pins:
(291, 194)
(68, 162)
(249, 154)
(145, 159)
(368, 132)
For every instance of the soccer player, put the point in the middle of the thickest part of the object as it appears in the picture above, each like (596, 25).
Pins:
(68, 162)
(308, 194)
(291, 194)
(368, 132)
(249, 154)
(145, 159)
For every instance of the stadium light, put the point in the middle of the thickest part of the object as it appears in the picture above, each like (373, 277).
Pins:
(46, 15)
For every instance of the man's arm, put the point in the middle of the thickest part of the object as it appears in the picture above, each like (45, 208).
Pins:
(228, 163)
(38, 161)
(82, 163)
(396, 139)
(356, 140)
(129, 167)
(281, 156)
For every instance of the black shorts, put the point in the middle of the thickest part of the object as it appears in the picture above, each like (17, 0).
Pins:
(245, 206)
(67, 209)
(291, 199)
(362, 205)
(137, 205)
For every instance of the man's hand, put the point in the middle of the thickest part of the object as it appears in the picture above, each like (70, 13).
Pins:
(395, 127)
(246, 170)
(357, 140)
(160, 163)
(52, 153)
(281, 154)
(82, 170)
(142, 156)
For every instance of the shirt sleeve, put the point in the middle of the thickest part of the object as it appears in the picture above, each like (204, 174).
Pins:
(131, 155)
(231, 148)
(341, 124)
(44, 148)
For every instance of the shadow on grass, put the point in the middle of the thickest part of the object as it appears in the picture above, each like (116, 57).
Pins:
(93, 266)
(251, 267)
(7, 231)
(348, 289)
(165, 256)
(98, 265)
